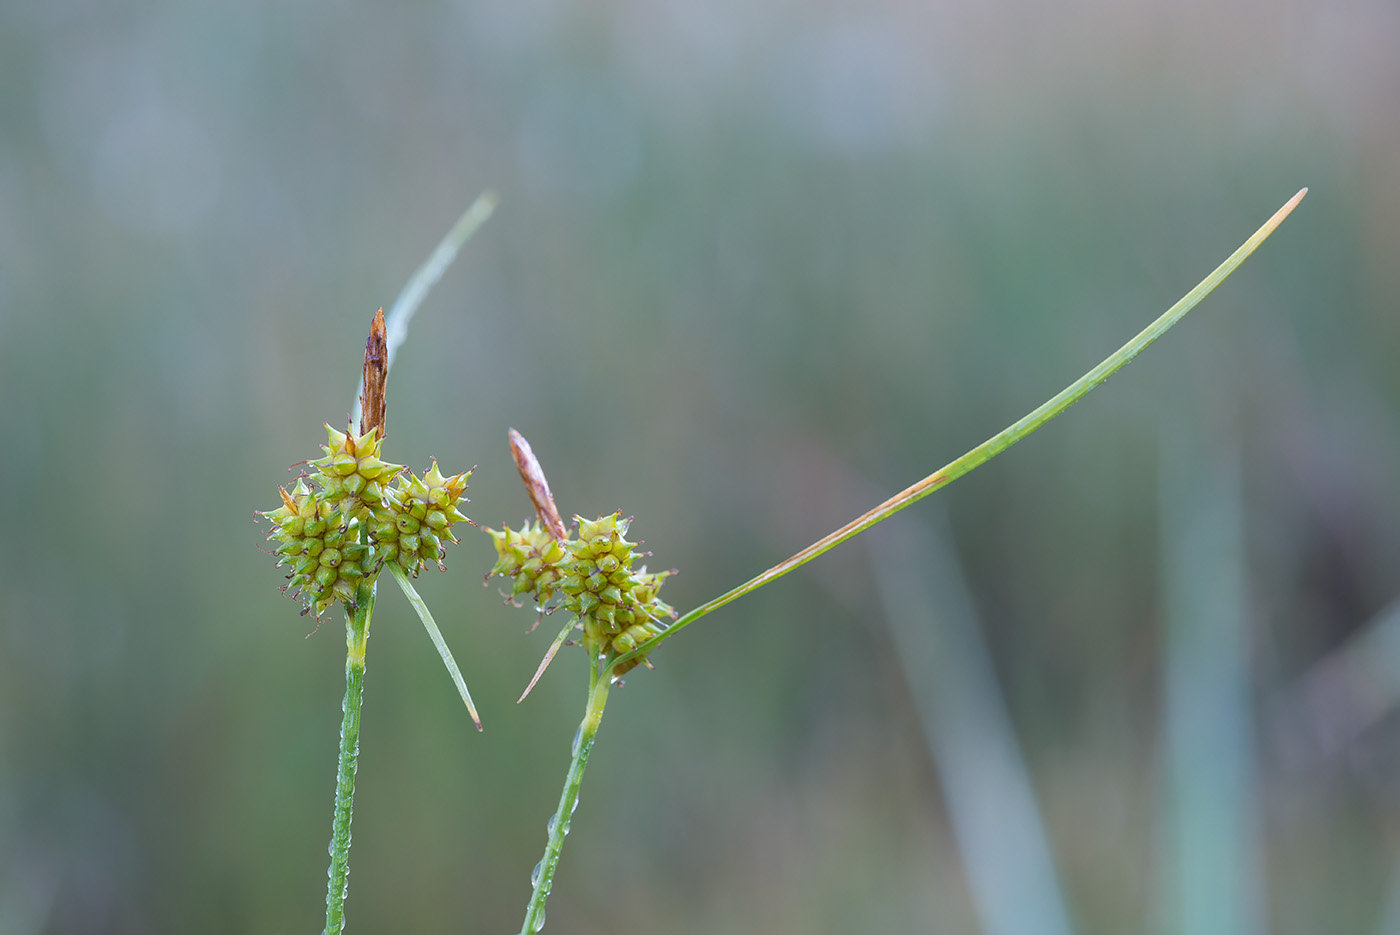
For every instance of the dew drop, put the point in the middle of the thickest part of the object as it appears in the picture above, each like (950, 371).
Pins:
(535, 874)
(549, 828)
(578, 741)
(539, 923)
(573, 808)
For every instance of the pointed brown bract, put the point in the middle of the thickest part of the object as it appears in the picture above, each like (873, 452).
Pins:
(372, 400)
(536, 485)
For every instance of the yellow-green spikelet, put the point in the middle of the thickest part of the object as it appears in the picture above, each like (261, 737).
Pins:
(641, 620)
(314, 539)
(532, 557)
(352, 476)
(618, 606)
(416, 516)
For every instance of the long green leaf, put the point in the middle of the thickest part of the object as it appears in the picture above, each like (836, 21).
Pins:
(991, 447)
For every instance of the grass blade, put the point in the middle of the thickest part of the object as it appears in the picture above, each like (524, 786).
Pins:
(427, 276)
(436, 636)
(548, 658)
(993, 446)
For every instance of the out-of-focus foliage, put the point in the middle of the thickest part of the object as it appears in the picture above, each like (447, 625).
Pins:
(756, 265)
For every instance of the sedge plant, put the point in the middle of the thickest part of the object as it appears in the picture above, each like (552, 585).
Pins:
(585, 570)
(350, 516)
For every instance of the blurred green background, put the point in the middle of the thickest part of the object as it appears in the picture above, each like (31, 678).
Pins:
(756, 266)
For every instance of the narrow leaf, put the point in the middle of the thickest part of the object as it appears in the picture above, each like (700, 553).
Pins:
(436, 636)
(425, 277)
(548, 658)
(991, 447)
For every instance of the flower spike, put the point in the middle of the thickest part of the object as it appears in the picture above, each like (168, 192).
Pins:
(589, 575)
(417, 516)
(352, 474)
(315, 542)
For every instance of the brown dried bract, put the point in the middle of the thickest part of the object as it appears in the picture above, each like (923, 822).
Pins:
(536, 485)
(372, 401)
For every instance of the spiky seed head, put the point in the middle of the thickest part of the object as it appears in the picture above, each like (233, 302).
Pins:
(590, 576)
(316, 543)
(336, 527)
(417, 515)
(352, 475)
(531, 557)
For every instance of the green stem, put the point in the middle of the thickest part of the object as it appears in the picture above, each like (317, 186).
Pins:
(992, 446)
(356, 636)
(542, 879)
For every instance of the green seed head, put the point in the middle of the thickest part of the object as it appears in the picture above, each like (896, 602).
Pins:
(337, 527)
(590, 576)
(315, 542)
(416, 515)
(531, 557)
(352, 476)
(618, 605)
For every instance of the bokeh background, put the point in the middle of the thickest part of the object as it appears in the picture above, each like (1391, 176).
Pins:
(756, 266)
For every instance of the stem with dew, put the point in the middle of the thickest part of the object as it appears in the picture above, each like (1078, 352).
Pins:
(356, 635)
(543, 877)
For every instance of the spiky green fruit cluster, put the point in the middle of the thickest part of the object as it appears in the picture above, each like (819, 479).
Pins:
(591, 576)
(417, 516)
(338, 526)
(352, 476)
(317, 541)
(530, 556)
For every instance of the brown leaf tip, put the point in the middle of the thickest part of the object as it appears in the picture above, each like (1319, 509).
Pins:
(536, 485)
(373, 404)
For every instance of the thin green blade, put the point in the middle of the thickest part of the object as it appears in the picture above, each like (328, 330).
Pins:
(435, 635)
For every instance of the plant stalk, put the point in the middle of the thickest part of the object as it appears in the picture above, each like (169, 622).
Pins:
(991, 447)
(356, 636)
(542, 879)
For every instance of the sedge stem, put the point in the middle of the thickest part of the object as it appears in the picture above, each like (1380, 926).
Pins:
(991, 447)
(542, 879)
(356, 636)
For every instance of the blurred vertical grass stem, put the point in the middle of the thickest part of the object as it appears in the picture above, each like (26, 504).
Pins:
(929, 611)
(1208, 842)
